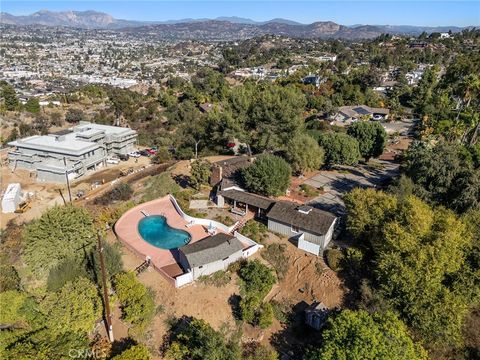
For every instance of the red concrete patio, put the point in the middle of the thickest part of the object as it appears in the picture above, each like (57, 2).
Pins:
(126, 230)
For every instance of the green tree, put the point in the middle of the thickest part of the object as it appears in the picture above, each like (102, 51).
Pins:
(196, 340)
(74, 115)
(371, 137)
(269, 175)
(32, 105)
(200, 173)
(340, 149)
(75, 307)
(59, 233)
(359, 335)
(9, 97)
(138, 306)
(304, 153)
(135, 352)
(9, 279)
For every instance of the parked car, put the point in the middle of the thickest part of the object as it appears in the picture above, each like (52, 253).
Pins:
(377, 117)
(123, 157)
(144, 152)
(152, 151)
(134, 154)
(113, 161)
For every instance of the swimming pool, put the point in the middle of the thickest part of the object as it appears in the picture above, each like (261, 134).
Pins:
(155, 230)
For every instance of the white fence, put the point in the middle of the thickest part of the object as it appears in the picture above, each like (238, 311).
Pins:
(183, 279)
(198, 221)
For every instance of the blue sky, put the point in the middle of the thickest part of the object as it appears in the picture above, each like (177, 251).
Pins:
(400, 12)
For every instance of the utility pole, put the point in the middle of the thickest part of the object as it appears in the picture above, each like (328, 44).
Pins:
(105, 291)
(68, 181)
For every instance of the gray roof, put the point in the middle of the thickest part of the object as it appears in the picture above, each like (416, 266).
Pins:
(210, 249)
(248, 198)
(316, 221)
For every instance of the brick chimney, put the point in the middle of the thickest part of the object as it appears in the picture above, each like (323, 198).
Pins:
(217, 175)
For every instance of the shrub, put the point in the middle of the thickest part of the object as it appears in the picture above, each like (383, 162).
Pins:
(162, 156)
(160, 185)
(121, 192)
(255, 230)
(218, 279)
(309, 191)
(56, 235)
(334, 258)
(68, 270)
(137, 301)
(9, 279)
(135, 352)
(265, 316)
(275, 255)
(281, 310)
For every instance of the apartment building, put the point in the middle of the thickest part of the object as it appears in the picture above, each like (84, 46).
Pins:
(72, 152)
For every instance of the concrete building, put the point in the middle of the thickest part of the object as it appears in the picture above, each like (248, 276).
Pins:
(70, 152)
(313, 228)
(211, 254)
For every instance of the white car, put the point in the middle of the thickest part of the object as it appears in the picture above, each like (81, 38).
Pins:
(134, 154)
(113, 161)
(377, 117)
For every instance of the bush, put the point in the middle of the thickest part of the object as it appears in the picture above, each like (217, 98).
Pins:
(110, 215)
(135, 352)
(275, 255)
(226, 220)
(160, 185)
(121, 192)
(265, 316)
(334, 258)
(9, 279)
(281, 310)
(68, 270)
(137, 301)
(218, 279)
(255, 230)
(309, 191)
(162, 156)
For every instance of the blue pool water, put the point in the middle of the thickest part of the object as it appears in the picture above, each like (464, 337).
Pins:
(155, 230)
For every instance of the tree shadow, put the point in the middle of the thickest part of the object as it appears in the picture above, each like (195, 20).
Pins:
(291, 341)
(119, 346)
(182, 180)
(234, 302)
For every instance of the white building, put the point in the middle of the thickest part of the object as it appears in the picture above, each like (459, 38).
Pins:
(12, 198)
(313, 228)
(70, 152)
(212, 254)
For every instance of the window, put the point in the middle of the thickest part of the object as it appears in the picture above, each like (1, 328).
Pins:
(225, 258)
(295, 229)
(201, 266)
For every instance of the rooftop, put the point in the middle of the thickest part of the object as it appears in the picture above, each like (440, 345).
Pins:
(314, 220)
(210, 249)
(248, 198)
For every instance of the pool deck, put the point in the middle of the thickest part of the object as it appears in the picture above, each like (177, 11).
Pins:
(163, 260)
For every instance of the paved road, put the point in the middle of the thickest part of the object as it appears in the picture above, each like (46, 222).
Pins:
(342, 179)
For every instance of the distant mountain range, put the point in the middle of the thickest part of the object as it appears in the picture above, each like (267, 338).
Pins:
(226, 28)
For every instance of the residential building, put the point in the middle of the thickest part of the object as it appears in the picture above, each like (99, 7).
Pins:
(70, 152)
(209, 255)
(348, 114)
(313, 228)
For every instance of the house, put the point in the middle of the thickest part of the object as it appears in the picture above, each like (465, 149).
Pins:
(70, 152)
(349, 114)
(209, 255)
(313, 228)
(316, 315)
(242, 201)
(314, 80)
